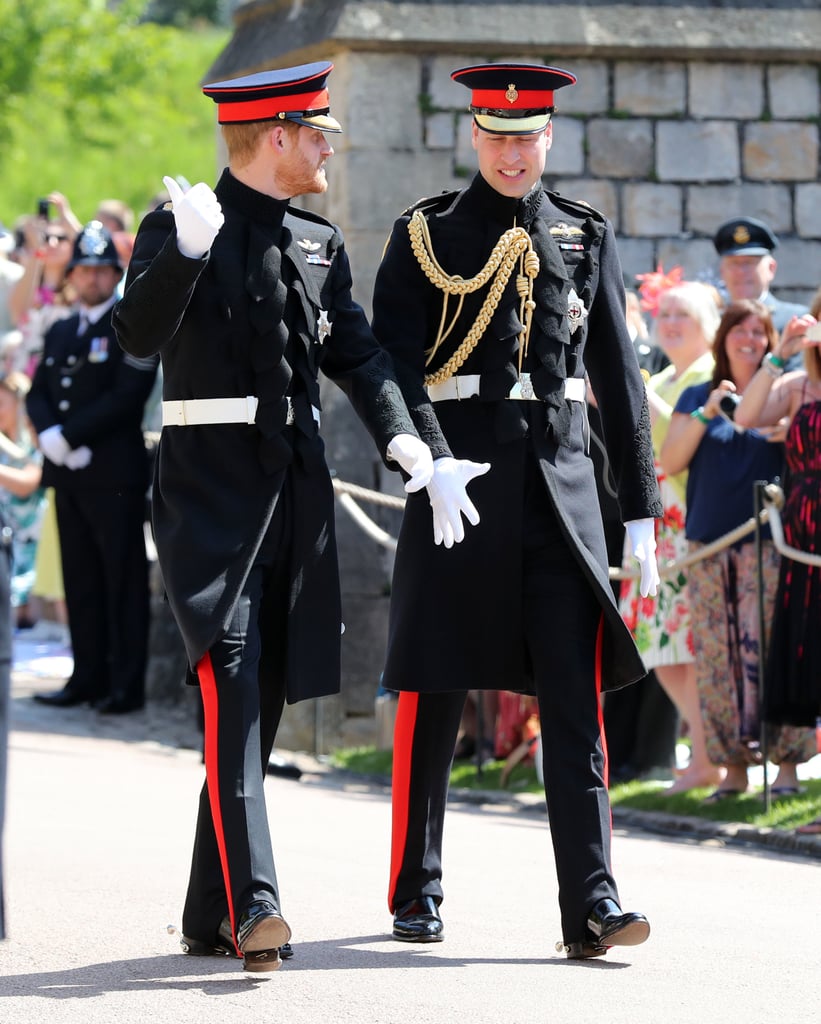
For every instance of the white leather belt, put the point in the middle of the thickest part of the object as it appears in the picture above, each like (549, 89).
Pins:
(466, 385)
(195, 412)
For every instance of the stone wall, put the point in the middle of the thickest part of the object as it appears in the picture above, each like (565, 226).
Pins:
(683, 116)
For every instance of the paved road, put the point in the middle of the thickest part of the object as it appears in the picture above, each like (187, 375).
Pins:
(97, 849)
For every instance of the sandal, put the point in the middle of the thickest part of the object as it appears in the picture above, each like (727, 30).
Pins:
(722, 794)
(812, 828)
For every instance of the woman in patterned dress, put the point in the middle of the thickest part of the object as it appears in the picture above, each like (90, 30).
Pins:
(792, 692)
(724, 463)
(21, 498)
(686, 320)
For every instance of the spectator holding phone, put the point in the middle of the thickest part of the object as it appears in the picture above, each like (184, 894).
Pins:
(42, 295)
(724, 462)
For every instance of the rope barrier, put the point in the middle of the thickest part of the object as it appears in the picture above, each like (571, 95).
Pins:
(773, 499)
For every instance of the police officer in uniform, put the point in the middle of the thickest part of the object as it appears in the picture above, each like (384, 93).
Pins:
(246, 297)
(495, 302)
(747, 267)
(86, 402)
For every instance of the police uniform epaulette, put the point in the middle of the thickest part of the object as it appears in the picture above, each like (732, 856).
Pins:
(430, 203)
(576, 206)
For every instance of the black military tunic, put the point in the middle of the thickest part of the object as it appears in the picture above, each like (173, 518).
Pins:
(576, 248)
(245, 320)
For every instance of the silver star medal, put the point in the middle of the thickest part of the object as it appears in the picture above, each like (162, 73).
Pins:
(576, 313)
(323, 326)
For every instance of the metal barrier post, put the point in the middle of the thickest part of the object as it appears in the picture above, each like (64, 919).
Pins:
(758, 501)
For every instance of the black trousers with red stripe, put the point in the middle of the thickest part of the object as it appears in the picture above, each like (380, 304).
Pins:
(242, 682)
(561, 631)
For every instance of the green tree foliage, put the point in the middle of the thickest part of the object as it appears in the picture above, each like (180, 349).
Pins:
(100, 103)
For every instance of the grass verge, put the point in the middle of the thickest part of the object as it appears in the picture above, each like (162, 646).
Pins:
(643, 795)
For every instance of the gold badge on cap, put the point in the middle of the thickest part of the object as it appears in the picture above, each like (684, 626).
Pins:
(741, 235)
(512, 93)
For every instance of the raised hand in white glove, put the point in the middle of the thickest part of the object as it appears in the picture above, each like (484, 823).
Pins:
(642, 535)
(78, 458)
(449, 500)
(53, 445)
(198, 216)
(414, 456)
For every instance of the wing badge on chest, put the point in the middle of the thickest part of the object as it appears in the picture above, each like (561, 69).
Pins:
(311, 254)
(568, 237)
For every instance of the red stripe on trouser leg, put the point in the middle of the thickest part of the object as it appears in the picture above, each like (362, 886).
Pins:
(600, 705)
(403, 731)
(210, 704)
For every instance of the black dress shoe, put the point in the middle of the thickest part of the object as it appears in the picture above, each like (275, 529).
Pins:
(65, 698)
(113, 706)
(418, 921)
(221, 945)
(607, 925)
(261, 934)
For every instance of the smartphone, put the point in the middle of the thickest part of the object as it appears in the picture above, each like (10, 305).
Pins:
(43, 208)
(814, 332)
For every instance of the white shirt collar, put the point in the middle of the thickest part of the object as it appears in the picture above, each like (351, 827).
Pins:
(94, 313)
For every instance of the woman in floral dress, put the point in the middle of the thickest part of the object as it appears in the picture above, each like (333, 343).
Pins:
(685, 322)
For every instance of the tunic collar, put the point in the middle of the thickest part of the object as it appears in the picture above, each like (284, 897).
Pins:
(504, 209)
(251, 204)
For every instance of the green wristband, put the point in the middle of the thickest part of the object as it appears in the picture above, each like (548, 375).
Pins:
(698, 414)
(775, 360)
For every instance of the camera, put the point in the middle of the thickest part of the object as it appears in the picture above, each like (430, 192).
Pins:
(43, 208)
(728, 405)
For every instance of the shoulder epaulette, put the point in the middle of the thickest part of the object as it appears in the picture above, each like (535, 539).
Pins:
(431, 203)
(295, 211)
(577, 206)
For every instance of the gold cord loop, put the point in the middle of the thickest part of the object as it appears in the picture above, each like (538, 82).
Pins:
(513, 245)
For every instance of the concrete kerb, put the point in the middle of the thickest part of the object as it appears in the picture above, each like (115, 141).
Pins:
(658, 822)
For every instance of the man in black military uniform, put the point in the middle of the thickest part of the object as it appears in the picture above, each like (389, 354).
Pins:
(494, 302)
(747, 267)
(246, 298)
(86, 403)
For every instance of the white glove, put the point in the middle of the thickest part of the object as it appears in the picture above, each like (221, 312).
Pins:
(414, 456)
(78, 458)
(53, 445)
(449, 500)
(642, 535)
(198, 216)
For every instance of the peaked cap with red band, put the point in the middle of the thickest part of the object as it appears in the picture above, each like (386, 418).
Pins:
(512, 99)
(289, 94)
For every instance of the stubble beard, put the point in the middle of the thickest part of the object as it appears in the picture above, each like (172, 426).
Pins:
(304, 179)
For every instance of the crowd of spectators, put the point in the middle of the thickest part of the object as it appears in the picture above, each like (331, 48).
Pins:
(37, 292)
(708, 466)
